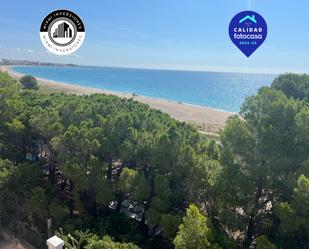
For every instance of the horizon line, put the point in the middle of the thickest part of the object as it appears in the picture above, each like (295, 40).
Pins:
(210, 70)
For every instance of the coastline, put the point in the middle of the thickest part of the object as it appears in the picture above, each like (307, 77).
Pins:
(206, 119)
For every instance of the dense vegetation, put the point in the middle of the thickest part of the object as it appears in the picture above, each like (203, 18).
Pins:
(138, 179)
(29, 82)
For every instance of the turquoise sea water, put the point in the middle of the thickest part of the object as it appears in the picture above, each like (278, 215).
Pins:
(224, 91)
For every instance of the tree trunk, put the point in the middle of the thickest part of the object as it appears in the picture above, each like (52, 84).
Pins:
(251, 220)
(71, 200)
(212, 213)
(119, 202)
(51, 172)
(90, 203)
(249, 234)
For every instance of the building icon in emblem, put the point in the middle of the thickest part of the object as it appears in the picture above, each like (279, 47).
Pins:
(63, 31)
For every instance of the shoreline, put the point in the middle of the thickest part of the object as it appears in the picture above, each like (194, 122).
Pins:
(206, 119)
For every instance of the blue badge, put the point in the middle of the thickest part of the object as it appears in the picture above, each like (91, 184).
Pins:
(248, 30)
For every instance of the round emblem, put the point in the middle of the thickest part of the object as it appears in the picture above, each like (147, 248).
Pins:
(62, 32)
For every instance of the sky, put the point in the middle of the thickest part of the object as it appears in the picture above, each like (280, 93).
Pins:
(163, 34)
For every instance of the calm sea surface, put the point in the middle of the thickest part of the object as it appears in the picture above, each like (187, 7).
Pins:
(224, 91)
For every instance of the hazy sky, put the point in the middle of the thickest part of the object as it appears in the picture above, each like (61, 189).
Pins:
(169, 34)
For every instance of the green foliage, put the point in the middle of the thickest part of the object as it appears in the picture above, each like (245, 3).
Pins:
(302, 127)
(95, 161)
(196, 232)
(7, 170)
(95, 153)
(10, 107)
(29, 82)
(142, 188)
(301, 197)
(108, 243)
(39, 203)
(170, 224)
(78, 240)
(294, 216)
(16, 182)
(293, 85)
(127, 180)
(44, 206)
(262, 152)
(16, 126)
(263, 243)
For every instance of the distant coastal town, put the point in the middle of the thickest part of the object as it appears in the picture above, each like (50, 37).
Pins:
(8, 62)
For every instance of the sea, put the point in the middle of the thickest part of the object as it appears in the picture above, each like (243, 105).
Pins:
(224, 91)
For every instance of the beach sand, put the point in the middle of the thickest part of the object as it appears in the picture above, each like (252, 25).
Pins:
(209, 121)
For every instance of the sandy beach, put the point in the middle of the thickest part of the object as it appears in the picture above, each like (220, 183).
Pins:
(206, 119)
